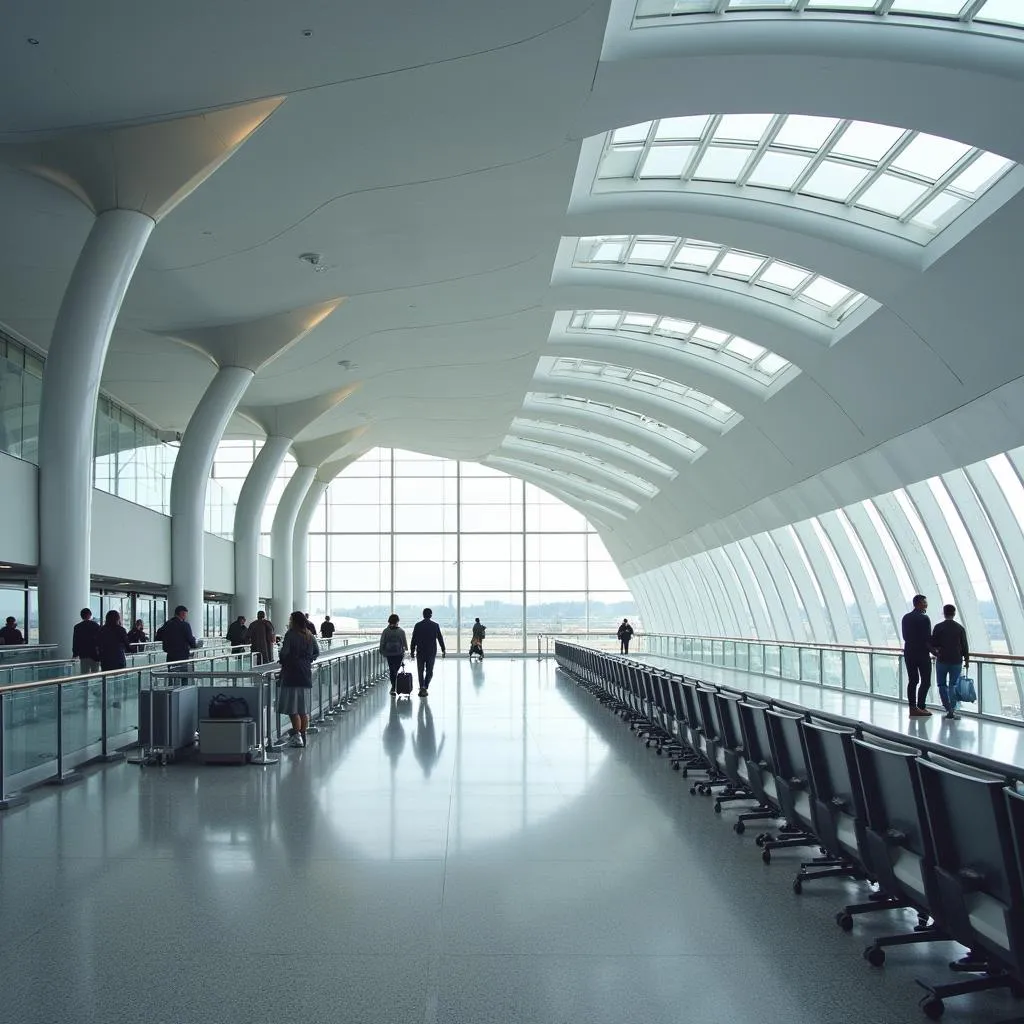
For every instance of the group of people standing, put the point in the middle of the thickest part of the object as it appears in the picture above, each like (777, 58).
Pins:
(946, 643)
(105, 648)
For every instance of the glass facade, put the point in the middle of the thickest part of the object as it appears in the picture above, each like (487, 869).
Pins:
(399, 531)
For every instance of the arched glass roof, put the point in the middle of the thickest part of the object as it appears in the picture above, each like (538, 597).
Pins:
(640, 380)
(906, 176)
(685, 257)
(515, 443)
(605, 410)
(570, 481)
(560, 432)
(696, 338)
(996, 12)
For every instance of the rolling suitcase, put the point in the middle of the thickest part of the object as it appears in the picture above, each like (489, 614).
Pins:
(403, 683)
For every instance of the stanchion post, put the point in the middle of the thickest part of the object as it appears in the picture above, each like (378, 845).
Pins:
(62, 778)
(264, 740)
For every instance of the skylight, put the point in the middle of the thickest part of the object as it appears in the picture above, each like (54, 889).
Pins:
(995, 12)
(515, 444)
(685, 257)
(640, 380)
(560, 478)
(560, 432)
(606, 411)
(907, 176)
(696, 338)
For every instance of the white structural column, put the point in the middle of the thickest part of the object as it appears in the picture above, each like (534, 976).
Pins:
(745, 581)
(778, 610)
(808, 588)
(282, 536)
(864, 530)
(67, 416)
(130, 178)
(842, 546)
(188, 486)
(325, 473)
(240, 350)
(282, 423)
(248, 513)
(310, 456)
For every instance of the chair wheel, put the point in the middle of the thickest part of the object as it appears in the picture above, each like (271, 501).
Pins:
(675, 766)
(693, 790)
(658, 751)
(933, 1007)
(718, 807)
(739, 828)
(875, 956)
(686, 772)
(761, 839)
(766, 856)
(798, 886)
(845, 921)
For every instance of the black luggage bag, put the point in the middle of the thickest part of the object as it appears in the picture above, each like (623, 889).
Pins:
(403, 683)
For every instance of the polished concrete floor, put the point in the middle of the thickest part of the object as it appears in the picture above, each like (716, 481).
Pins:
(505, 851)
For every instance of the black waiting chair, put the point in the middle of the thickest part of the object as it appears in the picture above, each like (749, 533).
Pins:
(896, 848)
(760, 766)
(978, 884)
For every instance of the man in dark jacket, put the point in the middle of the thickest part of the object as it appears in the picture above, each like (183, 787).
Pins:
(949, 644)
(625, 634)
(917, 654)
(85, 642)
(177, 637)
(262, 636)
(238, 633)
(426, 638)
(327, 628)
(10, 634)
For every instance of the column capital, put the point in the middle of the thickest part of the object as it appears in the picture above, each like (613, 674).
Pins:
(148, 168)
(322, 449)
(291, 418)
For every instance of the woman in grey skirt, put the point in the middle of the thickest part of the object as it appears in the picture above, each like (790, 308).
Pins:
(299, 650)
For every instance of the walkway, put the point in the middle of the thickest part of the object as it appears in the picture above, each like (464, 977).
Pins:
(996, 741)
(505, 853)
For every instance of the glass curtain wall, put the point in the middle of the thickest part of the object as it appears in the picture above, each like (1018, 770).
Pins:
(399, 531)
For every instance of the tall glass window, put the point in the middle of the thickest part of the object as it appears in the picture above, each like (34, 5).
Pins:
(399, 531)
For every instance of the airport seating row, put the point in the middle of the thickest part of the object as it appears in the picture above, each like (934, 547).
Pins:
(927, 830)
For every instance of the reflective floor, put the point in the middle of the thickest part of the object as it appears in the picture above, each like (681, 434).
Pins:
(503, 852)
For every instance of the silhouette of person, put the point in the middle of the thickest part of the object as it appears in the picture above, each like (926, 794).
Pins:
(393, 737)
(424, 740)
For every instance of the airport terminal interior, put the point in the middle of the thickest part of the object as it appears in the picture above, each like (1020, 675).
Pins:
(667, 351)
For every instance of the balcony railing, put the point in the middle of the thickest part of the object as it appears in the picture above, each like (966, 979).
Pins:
(863, 669)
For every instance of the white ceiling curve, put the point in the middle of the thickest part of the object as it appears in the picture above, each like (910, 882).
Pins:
(443, 162)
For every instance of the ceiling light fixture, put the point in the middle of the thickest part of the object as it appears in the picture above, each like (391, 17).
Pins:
(32, 41)
(315, 260)
(346, 364)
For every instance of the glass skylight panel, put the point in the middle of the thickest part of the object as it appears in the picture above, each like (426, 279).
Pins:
(999, 12)
(514, 441)
(566, 433)
(819, 157)
(689, 255)
(662, 387)
(706, 341)
(604, 410)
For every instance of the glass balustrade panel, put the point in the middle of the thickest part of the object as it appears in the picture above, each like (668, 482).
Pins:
(30, 728)
(790, 663)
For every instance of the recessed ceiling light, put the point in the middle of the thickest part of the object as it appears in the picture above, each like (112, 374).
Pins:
(307, 32)
(32, 41)
(346, 364)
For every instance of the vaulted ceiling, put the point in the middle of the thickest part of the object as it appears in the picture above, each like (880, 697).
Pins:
(807, 306)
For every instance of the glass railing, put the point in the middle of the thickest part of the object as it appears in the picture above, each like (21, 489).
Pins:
(25, 653)
(874, 671)
(340, 676)
(48, 727)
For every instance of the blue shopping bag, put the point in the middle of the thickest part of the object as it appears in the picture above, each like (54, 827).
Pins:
(965, 691)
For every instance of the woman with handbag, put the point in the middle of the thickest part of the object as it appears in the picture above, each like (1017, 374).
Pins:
(299, 649)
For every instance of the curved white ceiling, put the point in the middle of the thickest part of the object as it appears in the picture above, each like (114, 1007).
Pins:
(469, 181)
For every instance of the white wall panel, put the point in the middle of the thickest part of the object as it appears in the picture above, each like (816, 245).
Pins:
(19, 538)
(129, 542)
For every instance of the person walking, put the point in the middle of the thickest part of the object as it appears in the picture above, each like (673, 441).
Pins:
(393, 646)
(238, 635)
(327, 628)
(426, 638)
(137, 634)
(625, 634)
(299, 650)
(262, 637)
(917, 651)
(476, 643)
(177, 637)
(949, 645)
(10, 634)
(83, 643)
(112, 643)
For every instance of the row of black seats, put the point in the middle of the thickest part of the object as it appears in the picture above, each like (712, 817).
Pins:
(930, 832)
